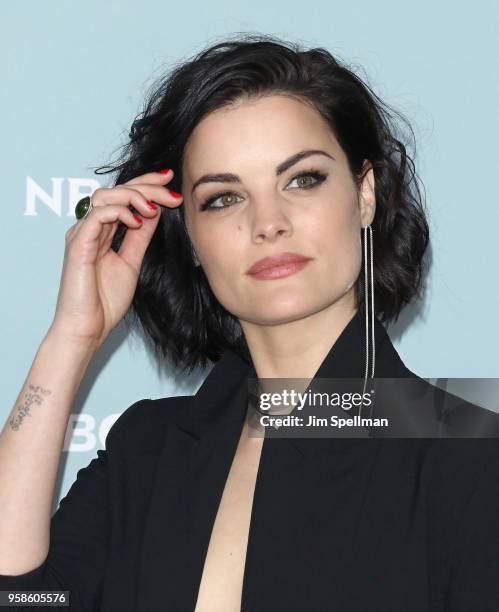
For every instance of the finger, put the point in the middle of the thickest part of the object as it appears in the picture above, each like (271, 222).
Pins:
(134, 244)
(87, 241)
(155, 178)
(156, 194)
(139, 198)
(106, 239)
(123, 196)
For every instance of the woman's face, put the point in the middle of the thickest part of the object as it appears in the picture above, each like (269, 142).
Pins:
(265, 213)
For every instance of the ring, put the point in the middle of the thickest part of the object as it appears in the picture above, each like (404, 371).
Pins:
(83, 208)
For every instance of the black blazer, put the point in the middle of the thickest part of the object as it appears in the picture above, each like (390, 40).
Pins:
(350, 525)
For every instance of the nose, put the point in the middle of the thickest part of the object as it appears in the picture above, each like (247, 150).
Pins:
(269, 219)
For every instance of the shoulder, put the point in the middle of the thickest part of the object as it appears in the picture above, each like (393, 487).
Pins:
(145, 420)
(144, 424)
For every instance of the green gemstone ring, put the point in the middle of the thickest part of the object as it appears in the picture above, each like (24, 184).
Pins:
(83, 208)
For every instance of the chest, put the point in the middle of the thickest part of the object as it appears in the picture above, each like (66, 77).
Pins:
(222, 578)
(231, 527)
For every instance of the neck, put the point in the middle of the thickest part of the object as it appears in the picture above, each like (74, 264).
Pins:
(296, 349)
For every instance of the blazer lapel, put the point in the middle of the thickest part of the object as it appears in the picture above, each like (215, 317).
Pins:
(311, 493)
(192, 469)
(199, 445)
(346, 359)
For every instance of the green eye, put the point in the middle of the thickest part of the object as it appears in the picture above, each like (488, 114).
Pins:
(318, 176)
(207, 204)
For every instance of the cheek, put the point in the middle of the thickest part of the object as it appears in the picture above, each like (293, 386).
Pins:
(333, 235)
(222, 250)
(333, 228)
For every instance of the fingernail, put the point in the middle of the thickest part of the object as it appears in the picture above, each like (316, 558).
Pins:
(165, 171)
(138, 219)
(151, 205)
(175, 194)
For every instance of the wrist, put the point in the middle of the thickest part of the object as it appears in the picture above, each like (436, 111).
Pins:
(84, 348)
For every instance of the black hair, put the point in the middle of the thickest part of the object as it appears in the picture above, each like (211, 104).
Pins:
(173, 302)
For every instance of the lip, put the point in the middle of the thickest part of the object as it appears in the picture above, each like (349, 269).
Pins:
(278, 266)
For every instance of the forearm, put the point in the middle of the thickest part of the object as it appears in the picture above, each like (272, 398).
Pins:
(30, 449)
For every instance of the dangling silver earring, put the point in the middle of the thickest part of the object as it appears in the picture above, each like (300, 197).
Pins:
(369, 292)
(197, 263)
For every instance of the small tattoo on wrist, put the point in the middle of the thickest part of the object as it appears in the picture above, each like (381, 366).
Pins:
(35, 395)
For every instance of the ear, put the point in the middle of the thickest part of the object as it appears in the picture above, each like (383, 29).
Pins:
(367, 197)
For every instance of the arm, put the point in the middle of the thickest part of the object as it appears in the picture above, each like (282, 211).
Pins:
(96, 290)
(30, 448)
(77, 550)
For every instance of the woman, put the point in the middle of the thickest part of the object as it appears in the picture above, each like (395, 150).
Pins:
(297, 197)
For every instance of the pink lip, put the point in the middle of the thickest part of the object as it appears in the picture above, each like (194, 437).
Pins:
(278, 266)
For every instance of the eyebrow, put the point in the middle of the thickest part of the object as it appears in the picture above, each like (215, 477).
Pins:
(227, 177)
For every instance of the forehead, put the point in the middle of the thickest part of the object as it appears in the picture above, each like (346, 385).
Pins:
(265, 130)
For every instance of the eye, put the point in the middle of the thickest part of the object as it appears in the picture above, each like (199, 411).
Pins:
(208, 204)
(317, 176)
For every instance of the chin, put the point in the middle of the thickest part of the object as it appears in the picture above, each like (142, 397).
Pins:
(275, 312)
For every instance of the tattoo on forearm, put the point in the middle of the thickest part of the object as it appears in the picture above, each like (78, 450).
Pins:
(35, 395)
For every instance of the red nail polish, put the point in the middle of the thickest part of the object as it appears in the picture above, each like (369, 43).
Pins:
(165, 171)
(175, 194)
(138, 219)
(151, 205)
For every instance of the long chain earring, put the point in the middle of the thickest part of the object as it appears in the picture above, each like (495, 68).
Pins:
(368, 262)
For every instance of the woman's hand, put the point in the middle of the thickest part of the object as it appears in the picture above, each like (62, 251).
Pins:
(98, 284)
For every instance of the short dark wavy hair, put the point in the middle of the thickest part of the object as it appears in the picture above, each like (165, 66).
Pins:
(174, 303)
